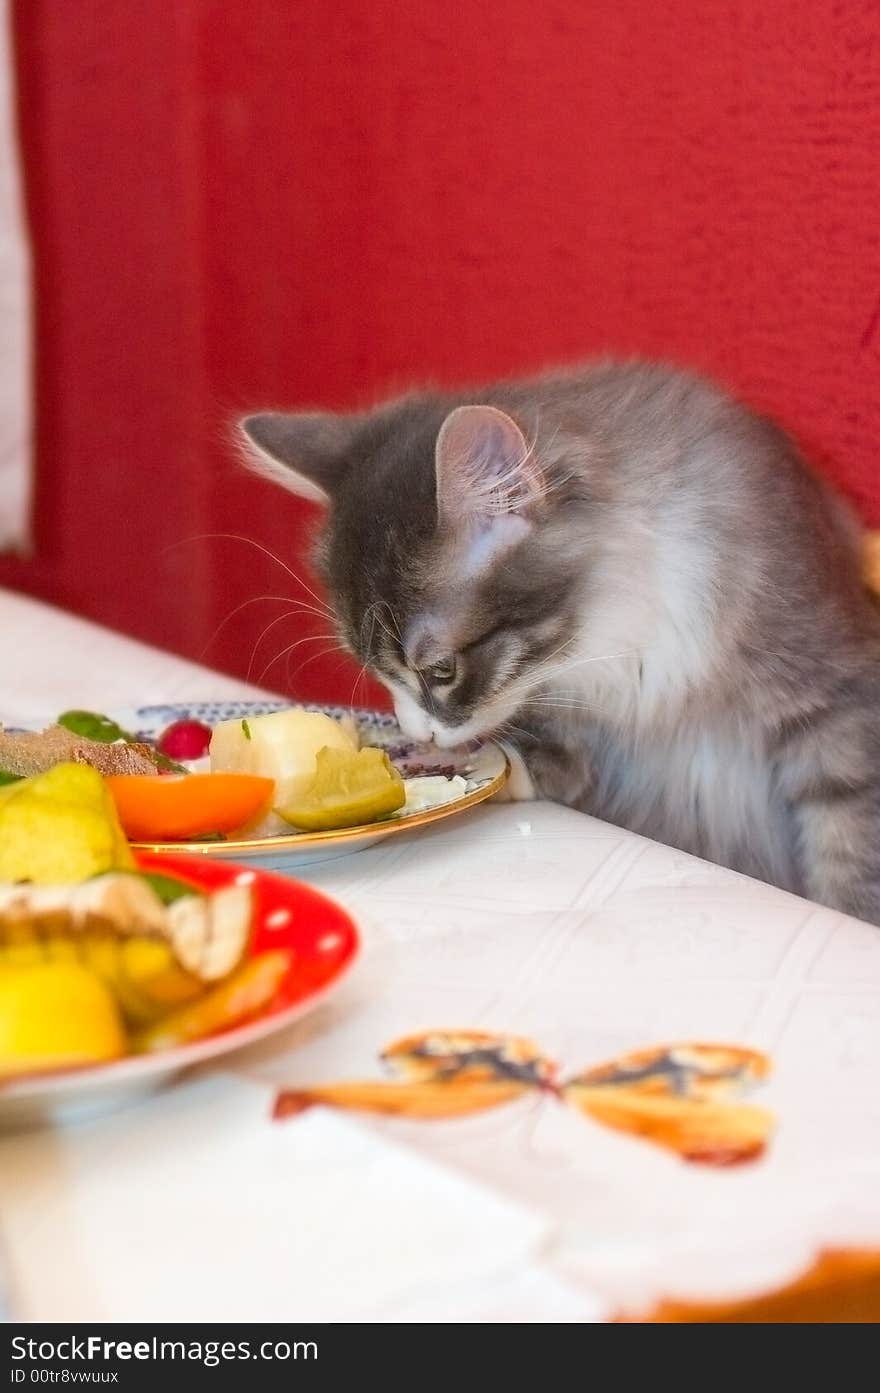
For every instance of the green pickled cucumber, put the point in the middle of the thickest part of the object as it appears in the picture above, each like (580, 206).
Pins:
(349, 789)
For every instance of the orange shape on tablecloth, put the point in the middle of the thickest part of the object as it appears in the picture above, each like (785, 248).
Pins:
(440, 1074)
(682, 1097)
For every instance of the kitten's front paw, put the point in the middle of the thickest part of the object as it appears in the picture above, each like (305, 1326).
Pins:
(519, 787)
(560, 775)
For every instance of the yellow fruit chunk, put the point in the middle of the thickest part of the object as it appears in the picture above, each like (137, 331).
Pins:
(241, 996)
(349, 789)
(60, 827)
(54, 1015)
(153, 957)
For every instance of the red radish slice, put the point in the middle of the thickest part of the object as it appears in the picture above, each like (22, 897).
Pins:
(185, 740)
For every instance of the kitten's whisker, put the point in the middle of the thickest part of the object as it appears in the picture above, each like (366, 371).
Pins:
(597, 658)
(382, 625)
(288, 614)
(528, 689)
(239, 537)
(368, 646)
(358, 680)
(544, 664)
(367, 651)
(255, 600)
(589, 707)
(393, 618)
(369, 613)
(291, 647)
(508, 728)
(398, 640)
(572, 702)
(325, 653)
(303, 607)
(546, 674)
(428, 694)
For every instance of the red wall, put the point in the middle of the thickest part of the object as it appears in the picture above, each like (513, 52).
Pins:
(262, 203)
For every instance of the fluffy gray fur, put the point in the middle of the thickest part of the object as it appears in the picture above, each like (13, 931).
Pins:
(637, 582)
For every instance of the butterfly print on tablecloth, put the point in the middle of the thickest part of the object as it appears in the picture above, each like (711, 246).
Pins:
(684, 1097)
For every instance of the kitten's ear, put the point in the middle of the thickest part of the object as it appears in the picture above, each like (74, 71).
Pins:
(485, 469)
(307, 453)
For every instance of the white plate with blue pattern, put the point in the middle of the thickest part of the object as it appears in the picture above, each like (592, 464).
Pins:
(469, 776)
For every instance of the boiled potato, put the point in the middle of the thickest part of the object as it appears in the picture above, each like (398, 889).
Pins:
(283, 746)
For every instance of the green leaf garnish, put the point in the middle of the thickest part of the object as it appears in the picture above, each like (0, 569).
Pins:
(93, 726)
(168, 765)
(247, 730)
(167, 888)
(7, 778)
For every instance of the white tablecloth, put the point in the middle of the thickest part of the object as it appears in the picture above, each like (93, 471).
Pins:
(520, 918)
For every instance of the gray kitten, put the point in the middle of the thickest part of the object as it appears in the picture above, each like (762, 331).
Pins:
(638, 583)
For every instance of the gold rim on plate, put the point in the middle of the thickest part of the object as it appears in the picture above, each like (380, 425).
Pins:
(291, 841)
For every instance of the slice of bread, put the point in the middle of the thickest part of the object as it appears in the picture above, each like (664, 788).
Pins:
(28, 753)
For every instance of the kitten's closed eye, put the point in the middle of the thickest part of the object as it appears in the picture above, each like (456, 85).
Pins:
(443, 670)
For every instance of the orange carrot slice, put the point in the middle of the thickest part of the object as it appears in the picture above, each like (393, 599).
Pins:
(167, 808)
